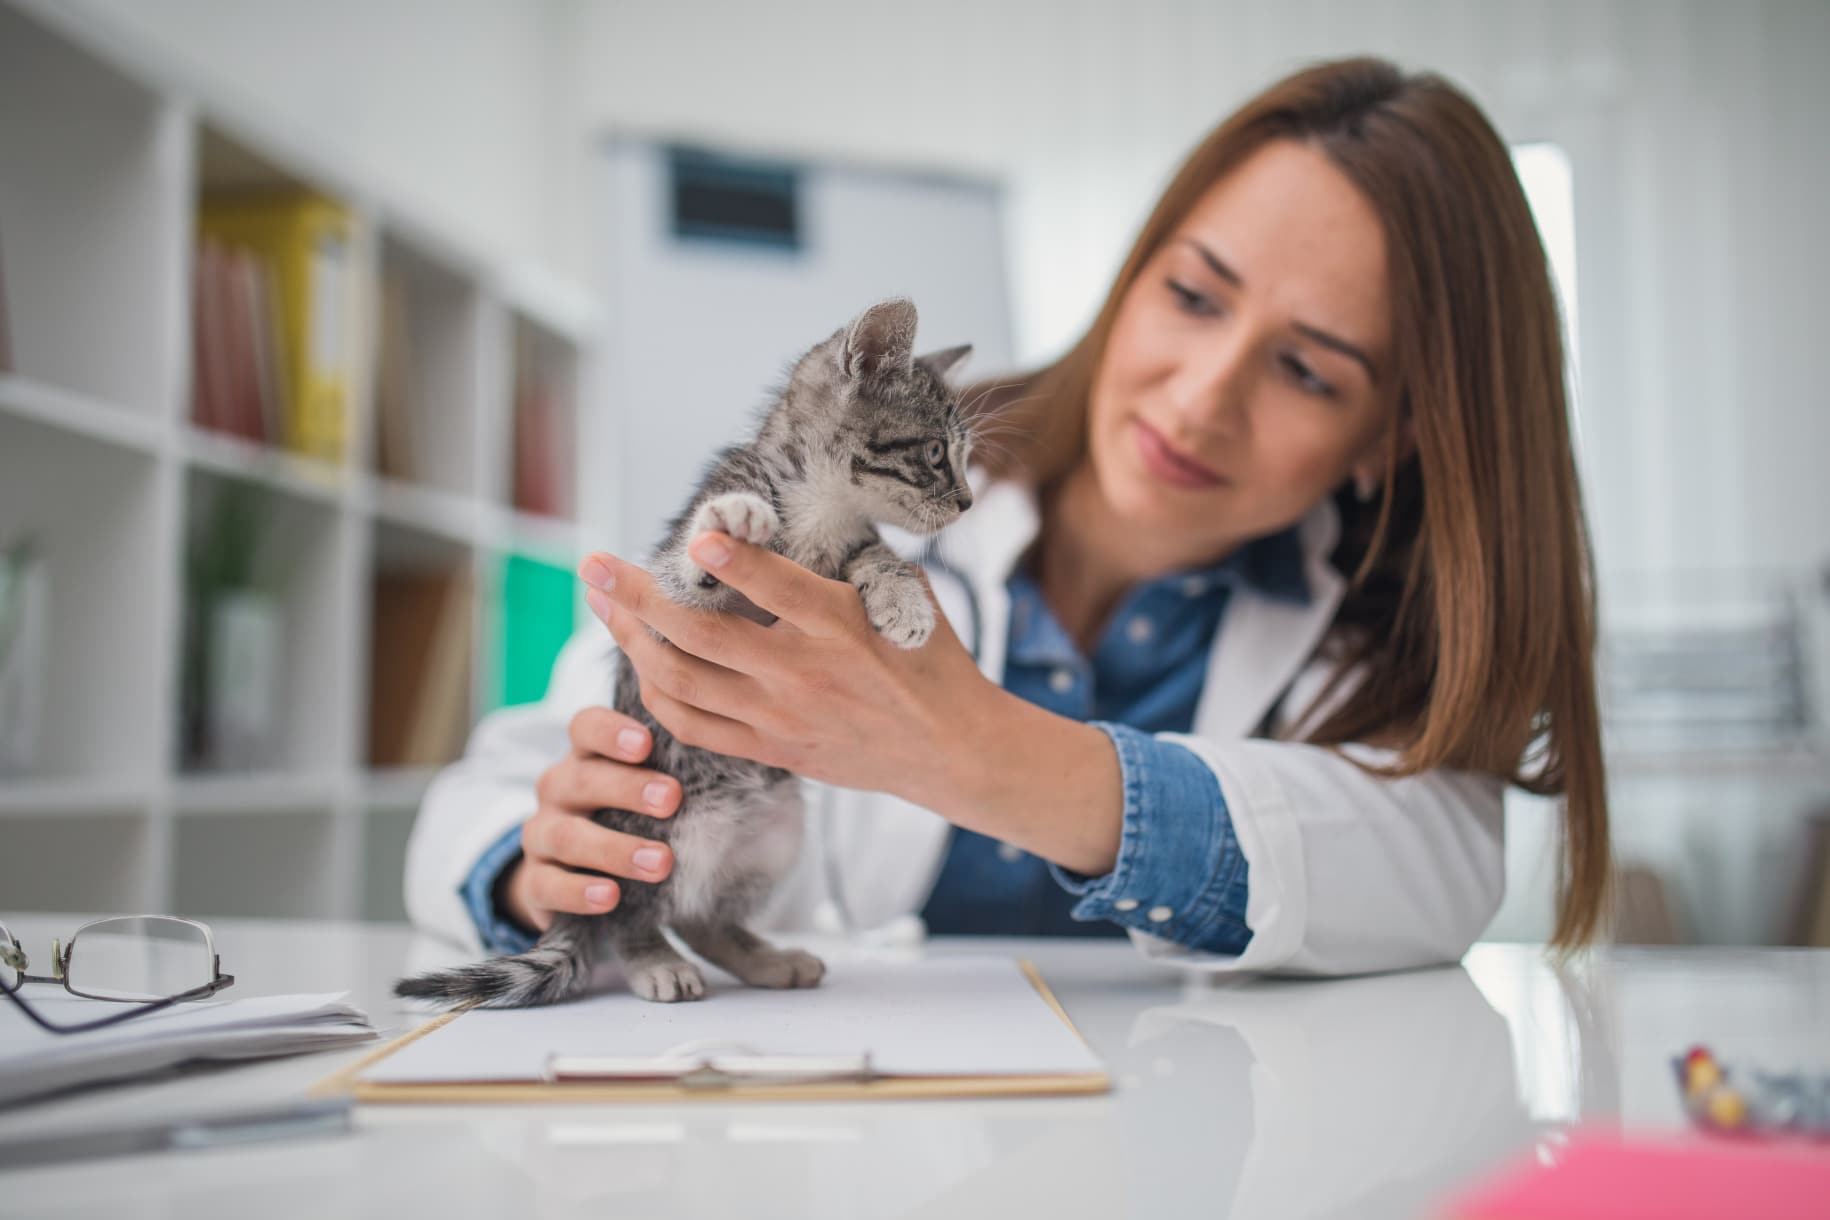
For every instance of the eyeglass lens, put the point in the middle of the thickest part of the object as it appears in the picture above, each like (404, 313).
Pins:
(139, 958)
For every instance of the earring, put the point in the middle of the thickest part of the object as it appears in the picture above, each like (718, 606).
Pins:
(1364, 487)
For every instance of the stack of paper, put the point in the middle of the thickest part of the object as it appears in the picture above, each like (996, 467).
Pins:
(34, 1061)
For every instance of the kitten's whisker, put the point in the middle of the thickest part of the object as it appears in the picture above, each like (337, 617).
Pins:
(993, 448)
(996, 420)
(989, 388)
(1006, 406)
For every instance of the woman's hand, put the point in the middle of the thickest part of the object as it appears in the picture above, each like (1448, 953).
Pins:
(561, 838)
(819, 693)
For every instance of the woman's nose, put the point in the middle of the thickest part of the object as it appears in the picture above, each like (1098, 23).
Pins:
(1212, 387)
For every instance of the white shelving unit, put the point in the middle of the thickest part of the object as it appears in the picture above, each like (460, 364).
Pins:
(105, 152)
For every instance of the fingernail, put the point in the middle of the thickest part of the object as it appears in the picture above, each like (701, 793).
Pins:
(714, 554)
(655, 794)
(649, 859)
(597, 574)
(599, 603)
(633, 741)
(598, 895)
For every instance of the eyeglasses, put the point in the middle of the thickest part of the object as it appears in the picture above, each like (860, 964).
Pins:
(153, 961)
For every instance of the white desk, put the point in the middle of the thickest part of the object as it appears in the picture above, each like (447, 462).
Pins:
(1363, 1097)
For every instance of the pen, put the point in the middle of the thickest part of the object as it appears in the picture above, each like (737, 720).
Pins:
(326, 1116)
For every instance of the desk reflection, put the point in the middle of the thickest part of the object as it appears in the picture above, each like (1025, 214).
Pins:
(1365, 1097)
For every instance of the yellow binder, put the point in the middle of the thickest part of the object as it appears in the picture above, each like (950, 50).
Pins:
(811, 1078)
(308, 243)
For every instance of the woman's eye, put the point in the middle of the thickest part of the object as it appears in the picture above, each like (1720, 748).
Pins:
(1305, 379)
(937, 453)
(1190, 300)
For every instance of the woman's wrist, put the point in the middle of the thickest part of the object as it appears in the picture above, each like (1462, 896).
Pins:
(510, 899)
(1024, 775)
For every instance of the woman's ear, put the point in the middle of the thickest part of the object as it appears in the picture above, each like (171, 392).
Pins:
(1369, 471)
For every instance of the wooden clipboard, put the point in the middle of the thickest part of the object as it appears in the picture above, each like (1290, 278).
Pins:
(348, 1082)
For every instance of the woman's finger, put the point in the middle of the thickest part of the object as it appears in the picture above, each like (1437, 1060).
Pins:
(726, 639)
(706, 730)
(550, 888)
(606, 732)
(580, 843)
(819, 607)
(591, 783)
(674, 671)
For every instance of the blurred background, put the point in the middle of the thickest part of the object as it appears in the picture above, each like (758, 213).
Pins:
(331, 334)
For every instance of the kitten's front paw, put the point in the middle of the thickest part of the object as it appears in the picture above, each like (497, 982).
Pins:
(900, 610)
(667, 982)
(743, 515)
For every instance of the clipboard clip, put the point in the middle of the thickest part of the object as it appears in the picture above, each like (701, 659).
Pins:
(710, 1065)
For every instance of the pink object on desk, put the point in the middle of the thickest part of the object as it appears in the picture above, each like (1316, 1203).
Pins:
(1604, 1175)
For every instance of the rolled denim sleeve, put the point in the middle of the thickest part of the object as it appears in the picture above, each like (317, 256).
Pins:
(1180, 874)
(500, 933)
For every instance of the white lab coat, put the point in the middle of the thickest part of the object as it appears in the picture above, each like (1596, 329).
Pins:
(1349, 872)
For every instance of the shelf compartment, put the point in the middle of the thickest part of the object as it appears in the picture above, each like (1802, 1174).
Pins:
(96, 514)
(422, 646)
(428, 326)
(275, 303)
(260, 662)
(90, 211)
(543, 420)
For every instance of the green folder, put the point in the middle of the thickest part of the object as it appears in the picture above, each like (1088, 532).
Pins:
(535, 622)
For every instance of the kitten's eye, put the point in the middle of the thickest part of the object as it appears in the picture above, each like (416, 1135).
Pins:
(937, 453)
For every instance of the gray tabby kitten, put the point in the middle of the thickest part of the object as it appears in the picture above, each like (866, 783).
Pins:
(863, 432)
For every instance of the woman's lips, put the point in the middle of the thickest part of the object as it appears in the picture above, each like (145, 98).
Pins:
(1169, 465)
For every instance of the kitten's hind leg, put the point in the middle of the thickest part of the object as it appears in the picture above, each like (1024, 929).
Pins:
(733, 947)
(655, 969)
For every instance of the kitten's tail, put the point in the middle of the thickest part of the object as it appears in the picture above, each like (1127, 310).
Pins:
(557, 968)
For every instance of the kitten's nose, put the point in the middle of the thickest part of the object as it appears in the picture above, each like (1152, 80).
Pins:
(965, 500)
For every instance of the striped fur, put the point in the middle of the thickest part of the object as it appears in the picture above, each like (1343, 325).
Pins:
(862, 432)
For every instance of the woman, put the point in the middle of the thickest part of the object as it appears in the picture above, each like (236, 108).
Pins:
(1275, 581)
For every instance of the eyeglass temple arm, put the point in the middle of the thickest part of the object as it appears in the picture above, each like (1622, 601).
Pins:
(46, 1023)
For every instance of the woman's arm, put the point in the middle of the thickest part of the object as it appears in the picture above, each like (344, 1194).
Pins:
(1349, 871)
(821, 694)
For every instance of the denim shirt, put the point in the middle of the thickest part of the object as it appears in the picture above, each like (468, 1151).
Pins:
(1180, 874)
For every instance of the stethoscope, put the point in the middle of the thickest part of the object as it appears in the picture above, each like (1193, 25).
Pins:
(832, 915)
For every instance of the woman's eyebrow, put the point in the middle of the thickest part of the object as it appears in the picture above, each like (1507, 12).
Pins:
(1332, 342)
(1213, 260)
(1337, 344)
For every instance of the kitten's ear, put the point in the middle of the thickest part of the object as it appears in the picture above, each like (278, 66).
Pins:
(942, 362)
(882, 338)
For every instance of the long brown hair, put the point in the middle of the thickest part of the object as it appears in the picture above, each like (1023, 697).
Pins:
(1469, 618)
